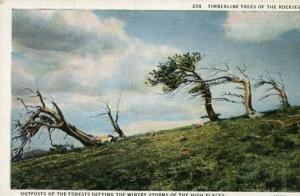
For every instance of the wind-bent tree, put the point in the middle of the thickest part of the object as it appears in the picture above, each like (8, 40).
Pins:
(180, 71)
(277, 88)
(112, 118)
(242, 79)
(45, 116)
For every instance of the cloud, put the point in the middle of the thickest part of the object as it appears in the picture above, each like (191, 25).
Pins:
(75, 31)
(76, 57)
(138, 59)
(259, 26)
(150, 125)
(20, 77)
(78, 52)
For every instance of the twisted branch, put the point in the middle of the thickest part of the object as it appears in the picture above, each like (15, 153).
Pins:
(41, 117)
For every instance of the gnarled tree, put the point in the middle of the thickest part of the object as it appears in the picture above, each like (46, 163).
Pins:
(277, 88)
(112, 118)
(242, 79)
(45, 116)
(180, 71)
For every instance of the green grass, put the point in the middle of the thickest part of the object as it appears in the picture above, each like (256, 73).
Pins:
(239, 154)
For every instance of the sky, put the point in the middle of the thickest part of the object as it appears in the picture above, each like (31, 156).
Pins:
(78, 57)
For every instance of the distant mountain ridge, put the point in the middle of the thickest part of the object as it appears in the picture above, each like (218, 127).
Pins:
(34, 154)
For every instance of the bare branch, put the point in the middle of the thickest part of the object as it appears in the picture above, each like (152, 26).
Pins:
(269, 95)
(41, 98)
(29, 90)
(41, 118)
(233, 95)
(242, 70)
(50, 138)
(25, 105)
(225, 99)
(117, 109)
(277, 86)
(108, 112)
(243, 81)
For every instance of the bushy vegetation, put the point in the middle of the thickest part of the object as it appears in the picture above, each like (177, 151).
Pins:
(239, 154)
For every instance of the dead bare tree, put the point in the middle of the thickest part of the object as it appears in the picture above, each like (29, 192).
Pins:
(41, 117)
(113, 118)
(277, 88)
(241, 78)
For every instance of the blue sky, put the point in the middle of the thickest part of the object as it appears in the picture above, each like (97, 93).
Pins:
(76, 57)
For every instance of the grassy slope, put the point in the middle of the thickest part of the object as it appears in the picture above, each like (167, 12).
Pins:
(238, 155)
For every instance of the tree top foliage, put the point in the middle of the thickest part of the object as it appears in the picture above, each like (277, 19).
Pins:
(176, 71)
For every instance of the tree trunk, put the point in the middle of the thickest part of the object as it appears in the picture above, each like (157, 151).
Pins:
(115, 125)
(248, 98)
(85, 139)
(282, 95)
(208, 104)
(285, 102)
(278, 86)
(43, 118)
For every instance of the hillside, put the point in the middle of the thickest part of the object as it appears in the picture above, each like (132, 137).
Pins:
(237, 154)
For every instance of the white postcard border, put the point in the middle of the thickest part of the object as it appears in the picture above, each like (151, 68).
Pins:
(6, 7)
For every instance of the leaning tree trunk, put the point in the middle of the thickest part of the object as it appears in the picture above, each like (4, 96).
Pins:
(208, 104)
(85, 139)
(43, 118)
(115, 125)
(113, 121)
(243, 81)
(247, 97)
(282, 95)
(206, 94)
(284, 100)
(275, 85)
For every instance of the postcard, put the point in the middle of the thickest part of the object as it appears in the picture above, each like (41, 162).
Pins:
(150, 98)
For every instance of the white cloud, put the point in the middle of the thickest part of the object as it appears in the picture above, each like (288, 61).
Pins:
(76, 57)
(260, 26)
(78, 52)
(150, 125)
(20, 77)
(134, 104)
